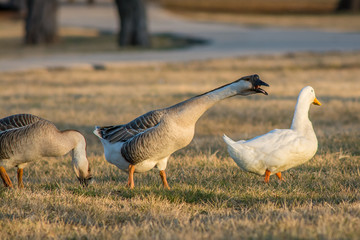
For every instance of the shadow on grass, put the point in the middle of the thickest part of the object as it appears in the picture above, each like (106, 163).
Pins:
(104, 42)
(288, 195)
(175, 195)
(297, 190)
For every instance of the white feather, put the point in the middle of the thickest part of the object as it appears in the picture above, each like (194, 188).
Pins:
(280, 149)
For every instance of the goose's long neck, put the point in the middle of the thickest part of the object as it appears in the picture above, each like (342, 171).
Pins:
(192, 109)
(78, 146)
(301, 122)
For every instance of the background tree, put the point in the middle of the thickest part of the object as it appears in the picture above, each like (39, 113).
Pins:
(41, 21)
(133, 23)
(352, 5)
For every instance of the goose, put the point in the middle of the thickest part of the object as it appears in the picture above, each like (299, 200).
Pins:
(280, 149)
(25, 138)
(149, 140)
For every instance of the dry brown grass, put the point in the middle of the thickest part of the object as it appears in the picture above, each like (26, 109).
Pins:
(210, 196)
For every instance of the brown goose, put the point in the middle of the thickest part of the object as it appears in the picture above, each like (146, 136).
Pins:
(25, 138)
(149, 140)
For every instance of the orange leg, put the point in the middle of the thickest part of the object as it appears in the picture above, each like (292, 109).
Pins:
(280, 177)
(5, 178)
(20, 172)
(267, 176)
(131, 176)
(163, 178)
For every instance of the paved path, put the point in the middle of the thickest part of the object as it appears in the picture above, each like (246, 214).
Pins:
(225, 40)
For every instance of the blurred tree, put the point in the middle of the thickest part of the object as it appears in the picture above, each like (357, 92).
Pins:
(133, 23)
(40, 21)
(88, 1)
(352, 5)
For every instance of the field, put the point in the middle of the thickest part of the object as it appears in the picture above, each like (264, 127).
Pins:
(210, 197)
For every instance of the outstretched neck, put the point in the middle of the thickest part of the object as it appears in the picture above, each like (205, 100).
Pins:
(192, 109)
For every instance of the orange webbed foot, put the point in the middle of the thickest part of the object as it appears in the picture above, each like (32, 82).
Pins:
(267, 176)
(20, 172)
(163, 178)
(130, 183)
(5, 178)
(280, 177)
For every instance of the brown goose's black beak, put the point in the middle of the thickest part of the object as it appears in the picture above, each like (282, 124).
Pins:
(256, 82)
(260, 90)
(85, 181)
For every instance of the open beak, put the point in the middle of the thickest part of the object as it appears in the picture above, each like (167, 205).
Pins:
(256, 83)
(260, 90)
(316, 102)
(255, 80)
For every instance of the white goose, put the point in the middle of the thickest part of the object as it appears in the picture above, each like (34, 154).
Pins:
(25, 138)
(149, 140)
(279, 149)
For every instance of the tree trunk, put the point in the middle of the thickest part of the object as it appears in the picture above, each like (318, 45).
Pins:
(133, 23)
(349, 5)
(40, 22)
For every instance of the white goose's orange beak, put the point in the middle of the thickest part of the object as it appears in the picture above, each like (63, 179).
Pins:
(316, 102)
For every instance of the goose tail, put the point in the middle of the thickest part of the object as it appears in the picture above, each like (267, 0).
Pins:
(234, 149)
(97, 132)
(228, 140)
(240, 153)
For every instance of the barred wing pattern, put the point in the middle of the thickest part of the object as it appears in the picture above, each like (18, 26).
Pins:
(12, 130)
(144, 145)
(122, 133)
(17, 121)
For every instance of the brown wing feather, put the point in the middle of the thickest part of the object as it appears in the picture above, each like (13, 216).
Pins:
(122, 133)
(17, 121)
(143, 145)
(12, 131)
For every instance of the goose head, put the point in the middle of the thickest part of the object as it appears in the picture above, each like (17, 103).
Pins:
(251, 85)
(80, 162)
(301, 119)
(82, 170)
(307, 96)
(85, 180)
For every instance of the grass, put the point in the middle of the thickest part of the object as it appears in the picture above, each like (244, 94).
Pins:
(210, 196)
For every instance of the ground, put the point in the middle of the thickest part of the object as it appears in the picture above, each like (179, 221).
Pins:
(210, 196)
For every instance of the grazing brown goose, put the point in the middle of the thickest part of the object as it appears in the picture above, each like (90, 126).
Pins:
(26, 138)
(149, 140)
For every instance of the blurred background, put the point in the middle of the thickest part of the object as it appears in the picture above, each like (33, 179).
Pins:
(30, 29)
